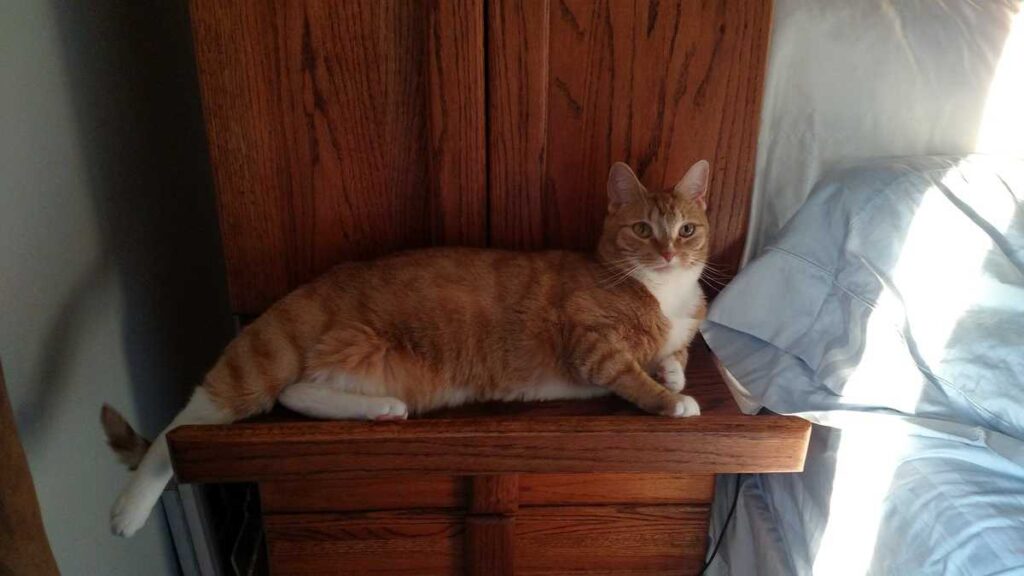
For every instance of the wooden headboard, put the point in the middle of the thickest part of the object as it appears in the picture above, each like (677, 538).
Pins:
(348, 129)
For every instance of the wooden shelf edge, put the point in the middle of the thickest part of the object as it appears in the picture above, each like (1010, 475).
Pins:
(262, 451)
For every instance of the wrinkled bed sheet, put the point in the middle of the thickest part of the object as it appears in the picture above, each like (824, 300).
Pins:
(889, 311)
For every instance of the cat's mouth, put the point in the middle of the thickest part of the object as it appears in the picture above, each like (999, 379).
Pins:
(674, 264)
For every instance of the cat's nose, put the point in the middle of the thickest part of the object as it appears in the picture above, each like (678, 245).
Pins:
(667, 255)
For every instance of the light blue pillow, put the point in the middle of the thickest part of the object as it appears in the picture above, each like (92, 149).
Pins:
(896, 287)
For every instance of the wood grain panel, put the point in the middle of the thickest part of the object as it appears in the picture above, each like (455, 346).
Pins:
(490, 545)
(619, 540)
(380, 492)
(411, 543)
(482, 494)
(339, 130)
(575, 85)
(582, 489)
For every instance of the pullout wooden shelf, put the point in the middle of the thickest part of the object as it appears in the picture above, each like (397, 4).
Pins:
(496, 489)
(605, 435)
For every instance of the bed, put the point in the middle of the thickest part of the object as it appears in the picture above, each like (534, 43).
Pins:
(882, 293)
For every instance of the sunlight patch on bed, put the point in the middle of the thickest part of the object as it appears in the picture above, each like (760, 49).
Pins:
(938, 274)
(865, 462)
(936, 281)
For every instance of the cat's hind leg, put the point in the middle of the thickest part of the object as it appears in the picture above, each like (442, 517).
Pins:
(326, 400)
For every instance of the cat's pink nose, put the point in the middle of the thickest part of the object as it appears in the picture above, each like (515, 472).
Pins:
(668, 256)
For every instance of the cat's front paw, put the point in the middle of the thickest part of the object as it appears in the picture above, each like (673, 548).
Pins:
(685, 406)
(671, 375)
(391, 409)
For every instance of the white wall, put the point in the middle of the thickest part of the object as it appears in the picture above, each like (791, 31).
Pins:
(111, 283)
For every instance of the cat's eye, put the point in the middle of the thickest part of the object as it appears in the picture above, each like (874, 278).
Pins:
(642, 229)
(687, 230)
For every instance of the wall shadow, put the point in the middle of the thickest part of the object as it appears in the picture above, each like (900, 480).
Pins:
(139, 120)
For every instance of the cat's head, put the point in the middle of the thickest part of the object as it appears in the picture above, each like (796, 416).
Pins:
(658, 231)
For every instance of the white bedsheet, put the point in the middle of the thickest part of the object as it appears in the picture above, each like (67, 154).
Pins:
(853, 80)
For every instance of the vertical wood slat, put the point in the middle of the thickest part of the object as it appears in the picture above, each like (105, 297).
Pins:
(457, 138)
(490, 545)
(490, 525)
(517, 56)
(575, 85)
(338, 131)
(243, 133)
(494, 494)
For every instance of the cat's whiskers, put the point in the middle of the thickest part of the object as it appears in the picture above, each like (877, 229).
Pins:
(615, 274)
(709, 266)
(630, 260)
(714, 276)
(617, 265)
(618, 278)
(713, 282)
(623, 278)
(718, 273)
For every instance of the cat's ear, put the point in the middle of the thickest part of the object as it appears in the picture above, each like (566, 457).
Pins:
(694, 185)
(623, 186)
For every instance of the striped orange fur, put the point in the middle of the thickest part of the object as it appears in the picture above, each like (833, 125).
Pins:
(487, 322)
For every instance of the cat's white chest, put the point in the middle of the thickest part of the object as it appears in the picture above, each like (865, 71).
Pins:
(679, 295)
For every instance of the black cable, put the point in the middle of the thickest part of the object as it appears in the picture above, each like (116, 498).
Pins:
(725, 526)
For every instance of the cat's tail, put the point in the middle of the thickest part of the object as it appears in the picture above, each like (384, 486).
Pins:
(261, 361)
(129, 446)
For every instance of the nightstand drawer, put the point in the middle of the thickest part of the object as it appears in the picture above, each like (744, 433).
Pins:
(413, 543)
(617, 540)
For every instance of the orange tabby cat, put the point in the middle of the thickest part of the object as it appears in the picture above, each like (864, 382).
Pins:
(426, 329)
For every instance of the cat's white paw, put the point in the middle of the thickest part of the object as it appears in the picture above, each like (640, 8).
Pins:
(671, 374)
(391, 409)
(686, 406)
(128, 514)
